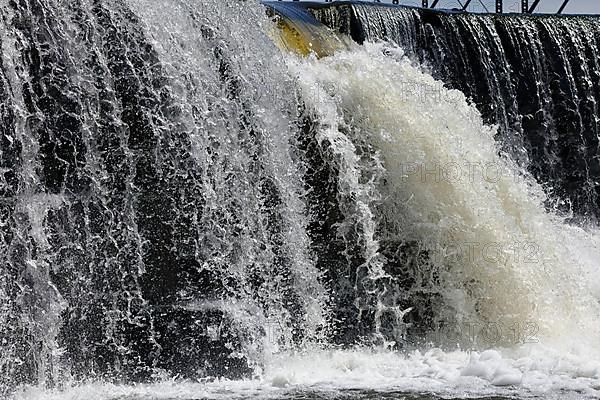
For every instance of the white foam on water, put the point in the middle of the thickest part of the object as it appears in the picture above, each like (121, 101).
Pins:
(528, 371)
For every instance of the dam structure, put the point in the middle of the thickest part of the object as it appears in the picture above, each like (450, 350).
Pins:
(210, 199)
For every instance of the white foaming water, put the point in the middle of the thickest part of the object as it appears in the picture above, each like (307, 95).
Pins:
(499, 255)
(526, 372)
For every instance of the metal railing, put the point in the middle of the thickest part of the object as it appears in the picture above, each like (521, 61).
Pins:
(526, 7)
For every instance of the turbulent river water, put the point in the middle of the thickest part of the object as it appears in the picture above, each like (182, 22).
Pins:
(189, 212)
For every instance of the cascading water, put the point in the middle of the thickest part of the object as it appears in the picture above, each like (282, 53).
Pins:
(534, 76)
(490, 249)
(149, 194)
(181, 200)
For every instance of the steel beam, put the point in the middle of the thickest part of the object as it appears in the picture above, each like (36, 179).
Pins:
(434, 3)
(499, 8)
(425, 3)
(466, 5)
(533, 6)
(524, 6)
(561, 9)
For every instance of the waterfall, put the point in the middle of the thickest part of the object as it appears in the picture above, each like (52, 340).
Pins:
(184, 206)
(536, 77)
(150, 194)
(490, 253)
